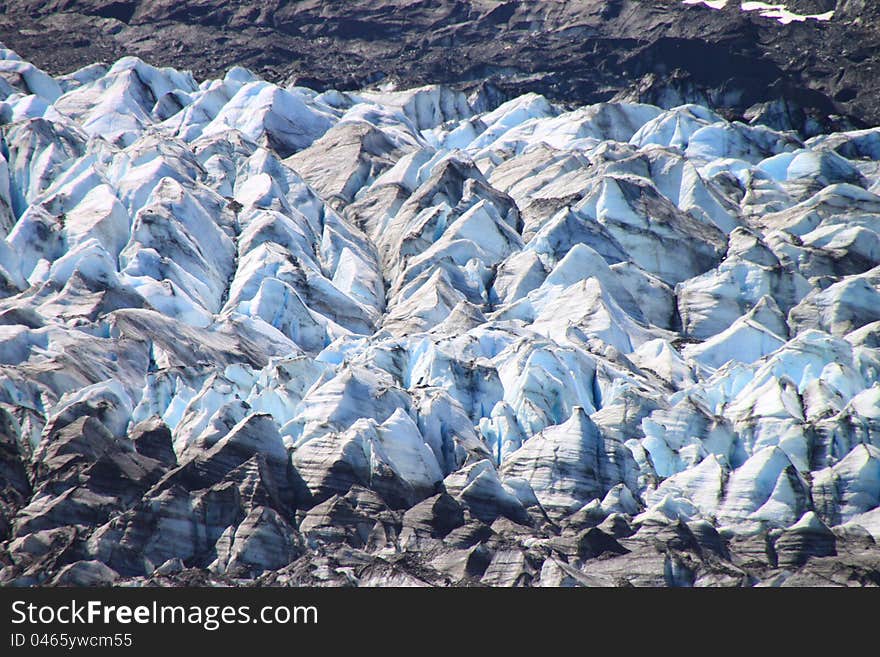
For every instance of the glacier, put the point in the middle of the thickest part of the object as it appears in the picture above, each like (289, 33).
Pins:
(251, 333)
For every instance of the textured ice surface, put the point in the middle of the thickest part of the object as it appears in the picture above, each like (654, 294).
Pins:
(610, 310)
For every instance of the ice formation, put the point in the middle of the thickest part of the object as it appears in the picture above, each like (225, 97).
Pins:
(241, 322)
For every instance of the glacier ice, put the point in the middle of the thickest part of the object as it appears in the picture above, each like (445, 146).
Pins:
(241, 322)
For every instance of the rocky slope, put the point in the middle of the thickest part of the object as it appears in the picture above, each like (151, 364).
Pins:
(257, 334)
(658, 51)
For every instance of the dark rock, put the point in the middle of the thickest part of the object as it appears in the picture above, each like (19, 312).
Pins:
(75, 506)
(463, 565)
(35, 556)
(709, 539)
(65, 452)
(509, 529)
(152, 438)
(753, 551)
(588, 544)
(262, 541)
(856, 568)
(671, 536)
(643, 566)
(854, 537)
(471, 533)
(617, 526)
(436, 516)
(15, 489)
(587, 516)
(585, 51)
(509, 568)
(594, 542)
(169, 523)
(349, 519)
(807, 538)
(171, 567)
(85, 573)
(257, 438)
(558, 574)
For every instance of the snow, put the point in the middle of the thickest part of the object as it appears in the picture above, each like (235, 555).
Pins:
(777, 12)
(783, 15)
